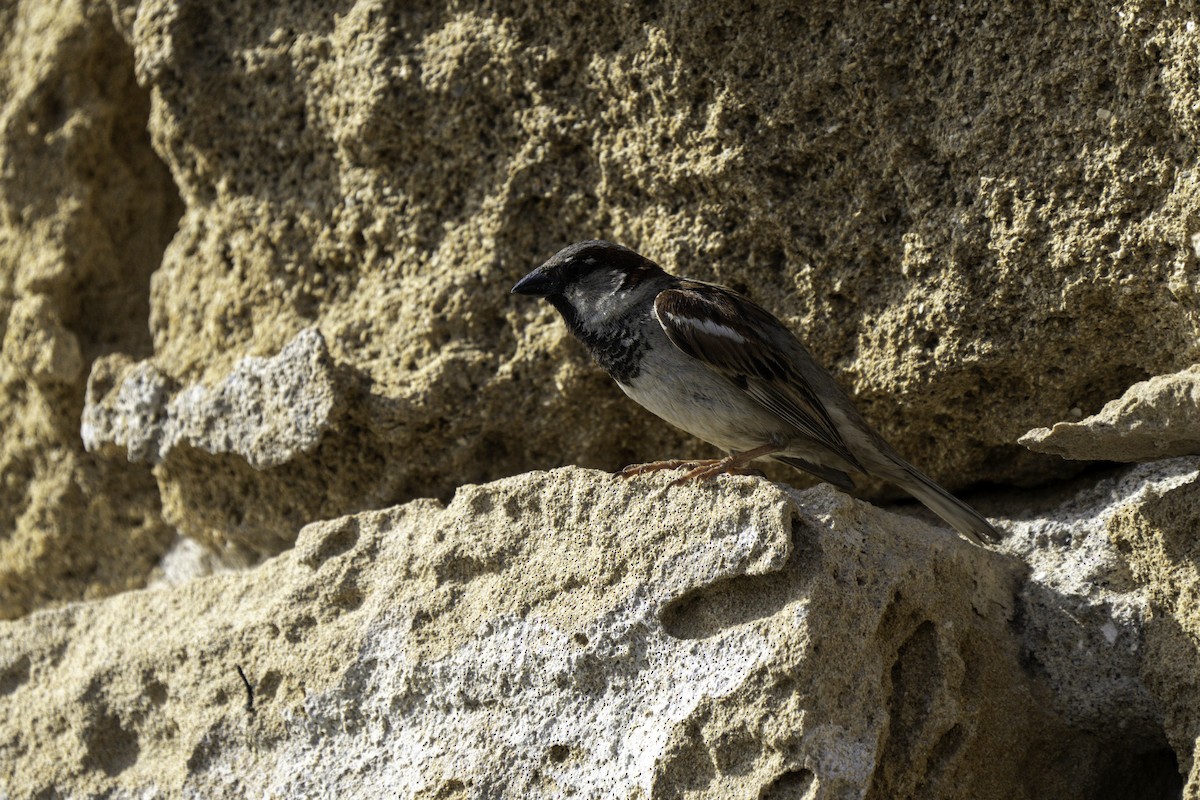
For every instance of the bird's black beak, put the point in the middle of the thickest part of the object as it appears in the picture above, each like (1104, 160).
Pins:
(539, 283)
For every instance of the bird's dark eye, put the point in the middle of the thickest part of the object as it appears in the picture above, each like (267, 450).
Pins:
(634, 277)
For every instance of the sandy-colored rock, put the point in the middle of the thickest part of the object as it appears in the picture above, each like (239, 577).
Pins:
(269, 411)
(1158, 538)
(86, 208)
(1158, 418)
(955, 208)
(38, 345)
(570, 632)
(275, 246)
(272, 423)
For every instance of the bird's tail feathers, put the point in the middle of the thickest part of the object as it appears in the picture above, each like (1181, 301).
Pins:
(960, 516)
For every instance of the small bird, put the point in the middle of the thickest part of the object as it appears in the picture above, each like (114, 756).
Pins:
(712, 362)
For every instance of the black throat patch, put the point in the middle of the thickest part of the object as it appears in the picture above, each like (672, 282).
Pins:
(618, 348)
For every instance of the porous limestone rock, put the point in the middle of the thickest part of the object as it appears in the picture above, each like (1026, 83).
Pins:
(957, 209)
(1158, 537)
(569, 633)
(254, 448)
(86, 208)
(38, 345)
(1154, 419)
(269, 411)
(981, 217)
(1086, 619)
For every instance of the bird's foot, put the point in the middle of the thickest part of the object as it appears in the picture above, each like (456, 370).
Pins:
(658, 466)
(736, 464)
(703, 470)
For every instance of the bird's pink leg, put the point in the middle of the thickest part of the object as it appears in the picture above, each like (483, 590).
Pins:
(658, 466)
(735, 463)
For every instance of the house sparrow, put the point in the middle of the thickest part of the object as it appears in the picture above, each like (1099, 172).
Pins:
(708, 360)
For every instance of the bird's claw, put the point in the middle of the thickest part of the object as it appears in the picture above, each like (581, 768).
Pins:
(697, 470)
(704, 471)
(656, 466)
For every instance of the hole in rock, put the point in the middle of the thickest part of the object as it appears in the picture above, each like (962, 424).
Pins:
(1140, 775)
(14, 675)
(111, 747)
(707, 611)
(132, 209)
(799, 784)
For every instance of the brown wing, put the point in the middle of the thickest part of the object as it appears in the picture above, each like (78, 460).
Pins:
(743, 342)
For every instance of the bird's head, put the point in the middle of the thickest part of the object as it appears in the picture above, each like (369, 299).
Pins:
(593, 282)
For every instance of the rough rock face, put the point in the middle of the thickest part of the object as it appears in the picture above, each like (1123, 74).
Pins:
(254, 266)
(955, 215)
(1158, 418)
(269, 412)
(86, 209)
(568, 631)
(955, 208)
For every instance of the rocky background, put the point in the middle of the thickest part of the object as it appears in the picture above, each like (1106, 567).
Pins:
(254, 265)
